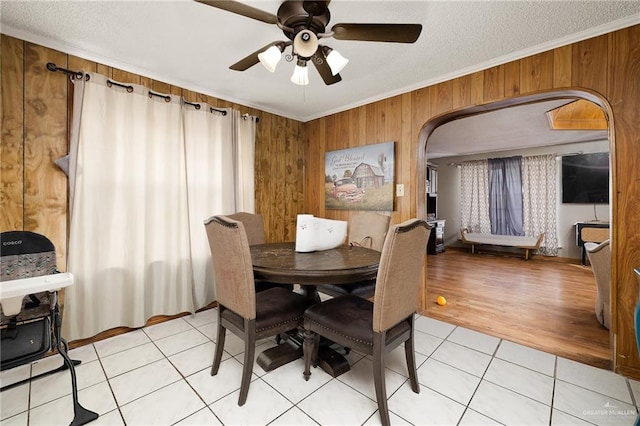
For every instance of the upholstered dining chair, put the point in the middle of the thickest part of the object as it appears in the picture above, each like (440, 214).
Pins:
(376, 328)
(249, 315)
(600, 259)
(254, 227)
(366, 229)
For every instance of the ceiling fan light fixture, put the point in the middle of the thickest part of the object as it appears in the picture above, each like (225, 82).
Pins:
(305, 44)
(335, 59)
(270, 57)
(300, 74)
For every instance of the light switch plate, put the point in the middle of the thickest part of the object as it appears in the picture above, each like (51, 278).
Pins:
(400, 190)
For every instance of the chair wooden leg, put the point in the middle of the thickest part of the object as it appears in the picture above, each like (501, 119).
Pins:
(378, 377)
(249, 351)
(309, 347)
(222, 332)
(409, 354)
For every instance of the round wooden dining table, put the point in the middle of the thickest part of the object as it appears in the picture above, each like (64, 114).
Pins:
(280, 263)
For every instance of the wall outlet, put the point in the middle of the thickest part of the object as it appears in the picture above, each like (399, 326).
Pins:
(400, 190)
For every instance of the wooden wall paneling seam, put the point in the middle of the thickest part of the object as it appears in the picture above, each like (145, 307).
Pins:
(477, 88)
(442, 97)
(104, 70)
(268, 178)
(45, 140)
(589, 64)
(494, 83)
(122, 76)
(393, 132)
(406, 135)
(461, 93)
(562, 66)
(263, 138)
(315, 183)
(536, 72)
(12, 143)
(512, 79)
(290, 168)
(278, 172)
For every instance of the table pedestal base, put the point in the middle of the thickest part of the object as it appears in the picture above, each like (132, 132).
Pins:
(280, 355)
(330, 360)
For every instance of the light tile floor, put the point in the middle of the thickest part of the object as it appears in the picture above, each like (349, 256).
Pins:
(160, 375)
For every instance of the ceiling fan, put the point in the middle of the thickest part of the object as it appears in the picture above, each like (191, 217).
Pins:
(304, 23)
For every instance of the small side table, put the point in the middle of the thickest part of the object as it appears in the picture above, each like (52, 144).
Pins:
(435, 244)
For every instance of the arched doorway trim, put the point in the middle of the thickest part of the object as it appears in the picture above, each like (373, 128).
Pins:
(548, 95)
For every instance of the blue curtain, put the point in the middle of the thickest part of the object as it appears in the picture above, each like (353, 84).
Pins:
(505, 195)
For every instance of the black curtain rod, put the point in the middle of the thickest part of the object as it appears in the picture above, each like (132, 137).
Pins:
(78, 74)
(166, 98)
(193, 104)
(221, 111)
(115, 83)
(211, 109)
(75, 74)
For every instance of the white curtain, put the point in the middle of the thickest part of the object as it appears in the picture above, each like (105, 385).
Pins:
(474, 196)
(539, 184)
(144, 174)
(209, 144)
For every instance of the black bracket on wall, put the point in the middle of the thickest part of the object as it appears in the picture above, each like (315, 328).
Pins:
(73, 74)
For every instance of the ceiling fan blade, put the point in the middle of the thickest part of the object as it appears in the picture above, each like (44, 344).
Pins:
(320, 61)
(252, 59)
(242, 9)
(394, 33)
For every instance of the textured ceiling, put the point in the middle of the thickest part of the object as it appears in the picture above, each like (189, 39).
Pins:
(191, 45)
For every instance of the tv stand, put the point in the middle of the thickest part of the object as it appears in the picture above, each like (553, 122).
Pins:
(590, 231)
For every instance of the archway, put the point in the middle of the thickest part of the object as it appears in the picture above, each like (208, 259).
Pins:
(545, 96)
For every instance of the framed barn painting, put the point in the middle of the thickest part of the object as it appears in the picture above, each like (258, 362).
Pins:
(360, 178)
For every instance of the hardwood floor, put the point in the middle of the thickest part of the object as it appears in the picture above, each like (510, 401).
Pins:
(540, 303)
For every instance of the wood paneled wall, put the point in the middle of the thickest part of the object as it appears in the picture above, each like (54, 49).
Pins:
(608, 65)
(36, 107)
(36, 110)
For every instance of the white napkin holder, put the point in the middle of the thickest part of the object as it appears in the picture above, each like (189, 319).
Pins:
(317, 234)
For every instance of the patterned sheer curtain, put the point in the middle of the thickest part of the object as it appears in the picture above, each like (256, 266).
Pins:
(474, 196)
(539, 182)
(144, 173)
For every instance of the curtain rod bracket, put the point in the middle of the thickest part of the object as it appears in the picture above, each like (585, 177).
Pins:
(221, 111)
(166, 98)
(211, 109)
(74, 74)
(128, 87)
(193, 104)
(253, 117)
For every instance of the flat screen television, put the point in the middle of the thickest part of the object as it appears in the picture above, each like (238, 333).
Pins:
(585, 178)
